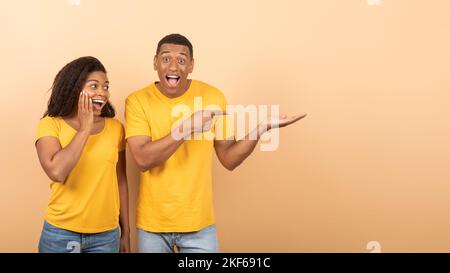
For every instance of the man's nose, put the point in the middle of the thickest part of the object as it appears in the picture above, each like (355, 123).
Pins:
(173, 65)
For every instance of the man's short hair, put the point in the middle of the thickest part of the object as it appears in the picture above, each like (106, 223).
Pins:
(176, 39)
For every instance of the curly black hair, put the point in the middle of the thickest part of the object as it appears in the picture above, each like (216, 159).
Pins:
(68, 84)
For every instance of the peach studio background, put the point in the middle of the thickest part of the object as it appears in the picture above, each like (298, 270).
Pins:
(369, 163)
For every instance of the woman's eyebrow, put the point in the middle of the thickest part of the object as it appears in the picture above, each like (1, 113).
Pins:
(93, 80)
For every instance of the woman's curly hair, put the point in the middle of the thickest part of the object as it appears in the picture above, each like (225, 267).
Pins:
(68, 84)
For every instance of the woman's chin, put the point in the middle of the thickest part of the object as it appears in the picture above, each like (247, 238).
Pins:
(97, 110)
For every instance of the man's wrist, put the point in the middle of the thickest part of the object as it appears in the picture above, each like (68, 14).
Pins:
(181, 132)
(262, 128)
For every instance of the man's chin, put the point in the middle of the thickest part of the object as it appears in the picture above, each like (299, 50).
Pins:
(170, 90)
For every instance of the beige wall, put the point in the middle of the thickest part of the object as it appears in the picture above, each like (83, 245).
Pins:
(370, 162)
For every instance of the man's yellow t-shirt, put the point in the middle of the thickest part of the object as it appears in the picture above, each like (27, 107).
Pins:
(177, 195)
(88, 201)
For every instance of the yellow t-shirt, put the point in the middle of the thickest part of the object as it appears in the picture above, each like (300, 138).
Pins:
(88, 201)
(177, 195)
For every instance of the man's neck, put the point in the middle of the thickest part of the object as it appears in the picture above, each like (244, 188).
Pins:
(176, 94)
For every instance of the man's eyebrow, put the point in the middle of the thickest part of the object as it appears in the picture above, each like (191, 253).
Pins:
(181, 53)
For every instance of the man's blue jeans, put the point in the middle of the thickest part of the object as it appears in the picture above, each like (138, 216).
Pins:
(202, 241)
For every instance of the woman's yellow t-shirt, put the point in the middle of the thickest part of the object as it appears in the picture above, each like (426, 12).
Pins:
(88, 201)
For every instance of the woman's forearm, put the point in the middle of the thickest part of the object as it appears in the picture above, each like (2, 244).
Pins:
(63, 162)
(123, 193)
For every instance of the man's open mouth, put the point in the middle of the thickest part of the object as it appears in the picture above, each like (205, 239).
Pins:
(172, 80)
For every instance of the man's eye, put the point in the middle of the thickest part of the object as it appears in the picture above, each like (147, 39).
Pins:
(181, 61)
(166, 59)
(106, 87)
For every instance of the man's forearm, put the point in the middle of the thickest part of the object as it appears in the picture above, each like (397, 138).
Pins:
(157, 152)
(239, 151)
(236, 153)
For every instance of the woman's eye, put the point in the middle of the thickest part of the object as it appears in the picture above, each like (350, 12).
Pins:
(106, 87)
(93, 86)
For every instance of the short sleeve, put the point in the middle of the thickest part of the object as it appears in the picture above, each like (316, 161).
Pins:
(136, 123)
(47, 126)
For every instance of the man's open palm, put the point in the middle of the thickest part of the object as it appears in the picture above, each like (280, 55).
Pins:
(283, 121)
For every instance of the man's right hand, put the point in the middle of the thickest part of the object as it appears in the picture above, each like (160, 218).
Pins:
(200, 121)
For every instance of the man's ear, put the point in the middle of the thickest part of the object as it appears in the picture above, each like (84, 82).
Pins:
(191, 68)
(154, 62)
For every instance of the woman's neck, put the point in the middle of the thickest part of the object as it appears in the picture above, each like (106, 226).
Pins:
(74, 118)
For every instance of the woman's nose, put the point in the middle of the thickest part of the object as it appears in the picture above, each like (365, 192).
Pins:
(99, 92)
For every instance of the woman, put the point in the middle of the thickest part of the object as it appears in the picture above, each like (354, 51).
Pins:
(82, 150)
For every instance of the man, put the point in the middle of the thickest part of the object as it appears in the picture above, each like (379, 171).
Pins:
(174, 154)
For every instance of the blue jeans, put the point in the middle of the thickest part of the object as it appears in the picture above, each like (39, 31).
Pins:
(58, 240)
(202, 241)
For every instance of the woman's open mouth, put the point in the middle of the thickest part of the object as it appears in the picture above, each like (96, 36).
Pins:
(98, 103)
(172, 80)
